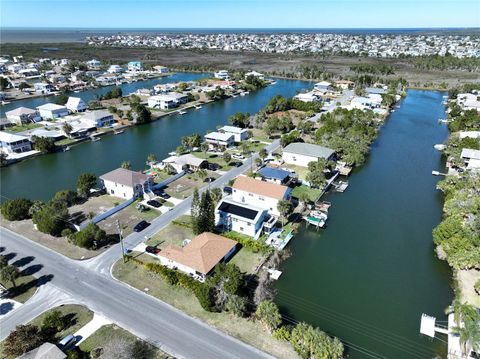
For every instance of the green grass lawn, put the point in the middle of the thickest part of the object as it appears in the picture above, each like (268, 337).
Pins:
(246, 330)
(25, 127)
(301, 171)
(246, 260)
(213, 158)
(170, 235)
(66, 142)
(75, 316)
(184, 186)
(312, 193)
(108, 332)
(26, 285)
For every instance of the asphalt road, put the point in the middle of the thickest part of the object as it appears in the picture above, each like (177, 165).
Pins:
(90, 283)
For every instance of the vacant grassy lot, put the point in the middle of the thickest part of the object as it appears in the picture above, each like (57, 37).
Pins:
(214, 158)
(247, 330)
(109, 332)
(184, 186)
(24, 127)
(246, 260)
(312, 193)
(170, 235)
(300, 171)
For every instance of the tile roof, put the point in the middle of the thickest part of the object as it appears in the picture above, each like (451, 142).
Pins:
(202, 254)
(262, 188)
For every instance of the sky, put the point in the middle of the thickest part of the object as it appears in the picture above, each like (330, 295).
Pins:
(240, 13)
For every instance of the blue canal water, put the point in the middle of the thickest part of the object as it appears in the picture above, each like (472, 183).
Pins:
(372, 272)
(42, 176)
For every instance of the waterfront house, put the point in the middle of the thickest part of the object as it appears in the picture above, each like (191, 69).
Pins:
(311, 96)
(43, 87)
(199, 256)
(161, 69)
(94, 64)
(275, 175)
(240, 217)
(255, 74)
(76, 104)
(260, 194)
(239, 134)
(52, 111)
(114, 69)
(222, 75)
(99, 118)
(471, 159)
(219, 141)
(23, 115)
(323, 86)
(375, 91)
(301, 154)
(184, 162)
(56, 135)
(126, 184)
(77, 76)
(134, 66)
(13, 143)
(344, 84)
(167, 101)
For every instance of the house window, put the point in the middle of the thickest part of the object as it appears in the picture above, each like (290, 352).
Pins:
(249, 224)
(250, 194)
(261, 198)
(241, 229)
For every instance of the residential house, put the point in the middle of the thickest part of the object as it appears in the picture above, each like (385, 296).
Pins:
(167, 101)
(44, 87)
(134, 66)
(114, 69)
(13, 143)
(239, 134)
(199, 257)
(219, 141)
(126, 184)
(344, 84)
(44, 351)
(301, 154)
(43, 132)
(240, 217)
(77, 76)
(99, 118)
(471, 158)
(94, 64)
(275, 175)
(255, 74)
(76, 104)
(51, 111)
(259, 193)
(375, 91)
(222, 74)
(323, 86)
(187, 161)
(161, 69)
(23, 115)
(311, 96)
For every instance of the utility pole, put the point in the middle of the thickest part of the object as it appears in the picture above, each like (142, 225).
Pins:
(120, 234)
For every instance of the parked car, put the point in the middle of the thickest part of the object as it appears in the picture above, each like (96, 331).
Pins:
(238, 156)
(236, 164)
(213, 166)
(140, 226)
(67, 342)
(164, 195)
(152, 249)
(227, 190)
(154, 203)
(209, 180)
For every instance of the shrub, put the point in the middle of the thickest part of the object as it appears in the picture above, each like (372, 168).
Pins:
(92, 236)
(67, 197)
(23, 339)
(16, 209)
(52, 218)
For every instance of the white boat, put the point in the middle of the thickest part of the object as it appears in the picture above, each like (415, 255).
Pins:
(273, 83)
(198, 107)
(118, 132)
(95, 139)
(439, 147)
(67, 148)
(5, 102)
(182, 112)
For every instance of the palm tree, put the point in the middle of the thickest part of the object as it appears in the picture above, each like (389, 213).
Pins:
(67, 128)
(284, 207)
(469, 336)
(204, 147)
(303, 198)
(126, 165)
(151, 159)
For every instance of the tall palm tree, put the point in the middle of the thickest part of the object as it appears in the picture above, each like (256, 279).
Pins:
(469, 336)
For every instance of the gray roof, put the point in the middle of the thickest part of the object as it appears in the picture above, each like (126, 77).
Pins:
(375, 90)
(469, 153)
(44, 351)
(309, 149)
(97, 115)
(126, 177)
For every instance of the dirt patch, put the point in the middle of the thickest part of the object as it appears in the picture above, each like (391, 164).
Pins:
(466, 280)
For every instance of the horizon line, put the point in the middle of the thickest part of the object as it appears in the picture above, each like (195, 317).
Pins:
(246, 28)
